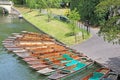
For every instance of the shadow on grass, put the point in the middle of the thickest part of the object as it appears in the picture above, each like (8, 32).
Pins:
(29, 11)
(38, 15)
(69, 34)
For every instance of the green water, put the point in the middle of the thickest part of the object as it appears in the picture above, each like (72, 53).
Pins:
(11, 66)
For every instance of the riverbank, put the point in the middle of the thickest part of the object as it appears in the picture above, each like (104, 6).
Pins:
(58, 29)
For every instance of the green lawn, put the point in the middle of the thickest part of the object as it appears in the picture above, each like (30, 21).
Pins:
(56, 28)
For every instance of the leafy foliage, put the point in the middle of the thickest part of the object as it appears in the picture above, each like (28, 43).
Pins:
(108, 15)
(103, 13)
(74, 16)
(111, 31)
(86, 9)
(31, 3)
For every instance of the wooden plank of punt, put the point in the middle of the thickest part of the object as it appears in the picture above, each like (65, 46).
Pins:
(59, 74)
(32, 43)
(36, 47)
(23, 50)
(30, 59)
(24, 31)
(56, 75)
(34, 62)
(11, 37)
(7, 41)
(18, 36)
(10, 46)
(12, 49)
(23, 55)
(45, 70)
(15, 33)
(35, 66)
(103, 71)
(28, 42)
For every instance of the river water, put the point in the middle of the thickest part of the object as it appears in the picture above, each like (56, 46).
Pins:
(11, 66)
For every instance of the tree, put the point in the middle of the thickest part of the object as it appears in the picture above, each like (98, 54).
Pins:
(40, 4)
(43, 4)
(104, 13)
(74, 16)
(51, 4)
(86, 9)
(74, 4)
(31, 4)
(109, 19)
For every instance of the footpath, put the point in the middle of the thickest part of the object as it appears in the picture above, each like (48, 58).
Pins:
(101, 51)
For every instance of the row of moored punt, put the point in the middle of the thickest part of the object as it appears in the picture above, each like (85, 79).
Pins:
(49, 57)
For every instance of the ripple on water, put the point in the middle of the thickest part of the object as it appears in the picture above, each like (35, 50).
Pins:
(12, 67)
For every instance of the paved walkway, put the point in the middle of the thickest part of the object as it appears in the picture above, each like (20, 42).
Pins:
(101, 51)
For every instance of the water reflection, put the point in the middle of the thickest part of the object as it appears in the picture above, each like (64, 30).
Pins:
(11, 66)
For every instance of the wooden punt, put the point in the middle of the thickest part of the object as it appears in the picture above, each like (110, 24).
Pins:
(45, 71)
(35, 38)
(34, 42)
(18, 36)
(68, 70)
(24, 31)
(23, 54)
(34, 62)
(48, 70)
(30, 59)
(11, 37)
(39, 66)
(53, 65)
(97, 75)
(48, 51)
(60, 66)
(7, 41)
(10, 46)
(44, 54)
(15, 33)
(20, 51)
(12, 49)
(31, 45)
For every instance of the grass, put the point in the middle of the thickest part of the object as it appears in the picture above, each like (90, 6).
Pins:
(56, 28)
